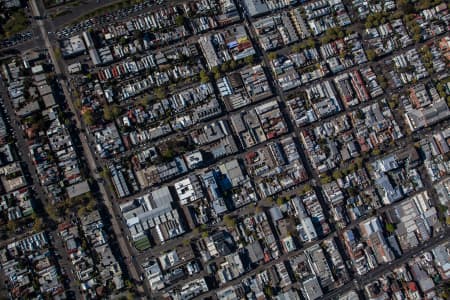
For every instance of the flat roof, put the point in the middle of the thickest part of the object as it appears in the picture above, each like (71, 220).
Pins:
(78, 189)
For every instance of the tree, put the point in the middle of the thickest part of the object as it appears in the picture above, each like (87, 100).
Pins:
(392, 104)
(91, 205)
(144, 101)
(376, 151)
(128, 284)
(57, 52)
(382, 81)
(225, 67)
(38, 225)
(405, 6)
(325, 179)
(81, 211)
(105, 173)
(130, 296)
(306, 189)
(360, 114)
(296, 48)
(390, 228)
(204, 78)
(229, 221)
(249, 60)
(233, 65)
(272, 55)
(88, 118)
(268, 291)
(52, 212)
(310, 42)
(137, 34)
(107, 113)
(179, 20)
(160, 93)
(370, 54)
(116, 111)
(11, 225)
(359, 162)
(280, 201)
(337, 174)
(168, 153)
(216, 72)
(77, 103)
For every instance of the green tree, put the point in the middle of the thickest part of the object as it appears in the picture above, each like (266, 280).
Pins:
(11, 226)
(57, 52)
(81, 211)
(272, 55)
(280, 201)
(137, 34)
(371, 55)
(144, 101)
(249, 60)
(130, 296)
(168, 153)
(390, 228)
(325, 179)
(296, 49)
(359, 162)
(107, 113)
(204, 78)
(376, 151)
(310, 42)
(52, 212)
(306, 189)
(382, 81)
(224, 67)
(233, 65)
(337, 174)
(215, 70)
(38, 225)
(116, 111)
(105, 173)
(180, 20)
(160, 93)
(88, 118)
(77, 103)
(268, 290)
(229, 221)
(405, 6)
(91, 205)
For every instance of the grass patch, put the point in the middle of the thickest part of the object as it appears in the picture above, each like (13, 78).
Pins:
(142, 244)
(17, 22)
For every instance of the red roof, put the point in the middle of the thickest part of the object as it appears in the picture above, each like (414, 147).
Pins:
(412, 286)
